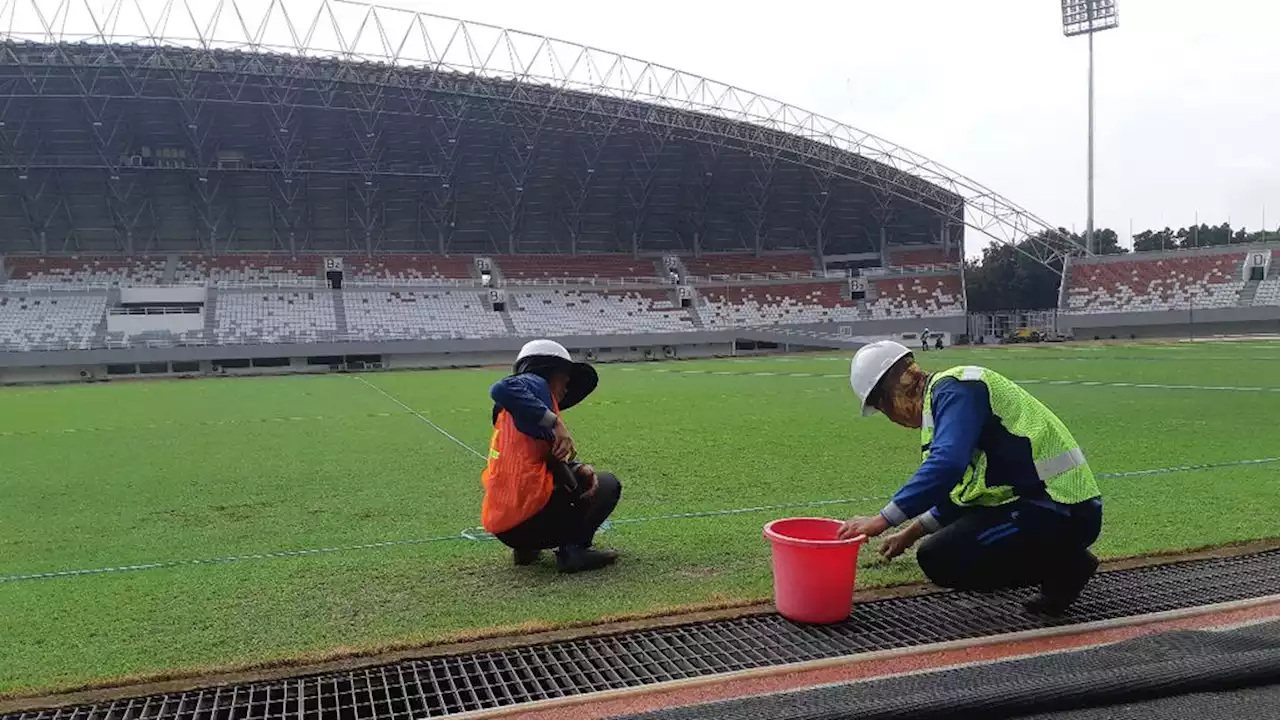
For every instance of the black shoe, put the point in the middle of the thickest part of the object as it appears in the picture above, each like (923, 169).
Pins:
(573, 559)
(526, 557)
(1058, 593)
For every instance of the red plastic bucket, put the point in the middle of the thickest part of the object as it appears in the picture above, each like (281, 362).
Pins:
(813, 572)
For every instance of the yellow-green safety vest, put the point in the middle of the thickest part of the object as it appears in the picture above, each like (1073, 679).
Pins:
(1058, 459)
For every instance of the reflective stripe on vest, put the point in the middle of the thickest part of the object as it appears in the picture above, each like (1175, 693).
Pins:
(1059, 462)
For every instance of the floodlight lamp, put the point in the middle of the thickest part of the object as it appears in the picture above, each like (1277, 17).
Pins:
(1083, 17)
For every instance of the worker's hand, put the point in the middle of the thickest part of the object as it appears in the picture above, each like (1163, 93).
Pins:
(562, 443)
(589, 481)
(897, 543)
(869, 526)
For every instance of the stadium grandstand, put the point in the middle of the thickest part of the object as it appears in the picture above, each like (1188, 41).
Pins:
(172, 195)
(1213, 290)
(247, 196)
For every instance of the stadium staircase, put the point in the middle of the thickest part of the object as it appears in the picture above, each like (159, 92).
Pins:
(1248, 292)
(505, 314)
(339, 313)
(695, 317)
(100, 331)
(495, 271)
(211, 314)
(674, 260)
(170, 270)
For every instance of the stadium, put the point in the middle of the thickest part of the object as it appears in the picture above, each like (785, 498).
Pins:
(313, 193)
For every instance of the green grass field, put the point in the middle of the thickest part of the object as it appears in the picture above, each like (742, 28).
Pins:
(124, 474)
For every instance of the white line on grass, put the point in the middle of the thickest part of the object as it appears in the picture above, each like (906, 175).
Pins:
(423, 418)
(180, 425)
(1027, 381)
(476, 534)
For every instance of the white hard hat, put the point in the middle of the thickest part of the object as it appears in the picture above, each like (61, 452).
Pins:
(869, 365)
(545, 348)
(543, 353)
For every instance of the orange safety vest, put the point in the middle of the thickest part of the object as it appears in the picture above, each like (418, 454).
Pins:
(517, 482)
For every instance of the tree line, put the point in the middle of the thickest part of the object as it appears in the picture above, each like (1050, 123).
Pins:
(1006, 279)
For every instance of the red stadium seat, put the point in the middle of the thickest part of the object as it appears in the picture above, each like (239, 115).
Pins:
(392, 268)
(917, 297)
(733, 264)
(1165, 282)
(535, 267)
(933, 255)
(250, 268)
(82, 270)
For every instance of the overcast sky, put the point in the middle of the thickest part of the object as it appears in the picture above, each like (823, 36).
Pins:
(1188, 93)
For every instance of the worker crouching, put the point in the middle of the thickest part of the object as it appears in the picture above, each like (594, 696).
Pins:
(1004, 492)
(537, 496)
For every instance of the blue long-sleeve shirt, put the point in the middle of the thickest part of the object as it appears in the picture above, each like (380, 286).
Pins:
(528, 398)
(964, 422)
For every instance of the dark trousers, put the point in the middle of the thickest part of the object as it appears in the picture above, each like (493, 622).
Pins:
(1010, 546)
(567, 518)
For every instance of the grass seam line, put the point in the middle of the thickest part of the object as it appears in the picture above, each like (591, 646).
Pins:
(477, 534)
(424, 419)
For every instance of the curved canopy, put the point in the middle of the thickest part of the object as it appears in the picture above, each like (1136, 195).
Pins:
(562, 73)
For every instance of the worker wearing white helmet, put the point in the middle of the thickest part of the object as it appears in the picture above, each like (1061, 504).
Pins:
(1003, 491)
(537, 496)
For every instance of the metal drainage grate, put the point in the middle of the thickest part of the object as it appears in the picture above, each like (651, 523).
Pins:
(447, 685)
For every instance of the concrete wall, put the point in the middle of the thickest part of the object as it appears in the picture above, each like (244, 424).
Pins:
(1173, 323)
(162, 295)
(58, 374)
(135, 324)
(65, 366)
(956, 325)
(1198, 330)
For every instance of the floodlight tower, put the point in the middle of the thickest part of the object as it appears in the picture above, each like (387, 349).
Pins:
(1086, 17)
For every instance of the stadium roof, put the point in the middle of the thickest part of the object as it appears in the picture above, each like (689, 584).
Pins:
(535, 69)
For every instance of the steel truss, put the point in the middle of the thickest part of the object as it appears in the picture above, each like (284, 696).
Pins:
(383, 68)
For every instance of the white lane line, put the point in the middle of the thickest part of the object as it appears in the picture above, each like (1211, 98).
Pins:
(423, 418)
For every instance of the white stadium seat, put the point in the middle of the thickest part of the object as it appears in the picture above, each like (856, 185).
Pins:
(923, 296)
(758, 305)
(54, 322)
(576, 312)
(420, 315)
(275, 316)
(1269, 290)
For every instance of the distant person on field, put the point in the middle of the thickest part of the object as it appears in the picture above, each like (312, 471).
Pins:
(924, 340)
(1003, 492)
(537, 496)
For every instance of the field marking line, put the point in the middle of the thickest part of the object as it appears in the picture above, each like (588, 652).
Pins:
(224, 560)
(474, 534)
(424, 419)
(477, 534)
(1188, 468)
(1024, 381)
(1017, 356)
(184, 425)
